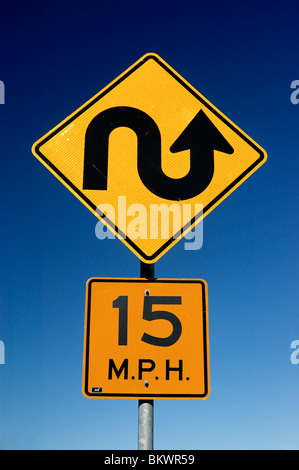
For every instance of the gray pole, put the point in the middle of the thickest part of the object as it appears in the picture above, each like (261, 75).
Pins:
(145, 425)
(146, 407)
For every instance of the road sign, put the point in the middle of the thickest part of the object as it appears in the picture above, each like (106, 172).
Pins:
(146, 339)
(150, 156)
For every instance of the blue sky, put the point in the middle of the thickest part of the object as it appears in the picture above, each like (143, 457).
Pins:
(243, 57)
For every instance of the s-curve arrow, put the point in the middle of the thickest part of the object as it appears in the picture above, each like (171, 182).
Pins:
(200, 136)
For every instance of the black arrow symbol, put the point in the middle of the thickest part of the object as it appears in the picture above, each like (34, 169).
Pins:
(200, 136)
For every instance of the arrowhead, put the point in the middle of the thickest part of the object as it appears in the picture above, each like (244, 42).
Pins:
(201, 133)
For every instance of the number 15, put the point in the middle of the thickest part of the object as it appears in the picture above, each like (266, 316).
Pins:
(149, 315)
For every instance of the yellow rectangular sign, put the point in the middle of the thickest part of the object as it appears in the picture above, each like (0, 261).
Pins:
(146, 339)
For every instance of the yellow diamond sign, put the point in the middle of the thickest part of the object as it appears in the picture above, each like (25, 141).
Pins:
(149, 156)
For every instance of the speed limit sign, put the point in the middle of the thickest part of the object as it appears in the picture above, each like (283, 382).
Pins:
(146, 339)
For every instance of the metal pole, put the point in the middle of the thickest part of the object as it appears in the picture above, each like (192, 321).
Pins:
(145, 424)
(146, 407)
(147, 270)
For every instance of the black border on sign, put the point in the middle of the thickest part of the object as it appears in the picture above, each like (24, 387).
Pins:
(148, 395)
(205, 209)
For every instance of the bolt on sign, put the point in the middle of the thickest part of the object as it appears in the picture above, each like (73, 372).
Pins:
(152, 140)
(146, 339)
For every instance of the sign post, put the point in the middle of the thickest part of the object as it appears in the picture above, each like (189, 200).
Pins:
(145, 424)
(147, 338)
(146, 407)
